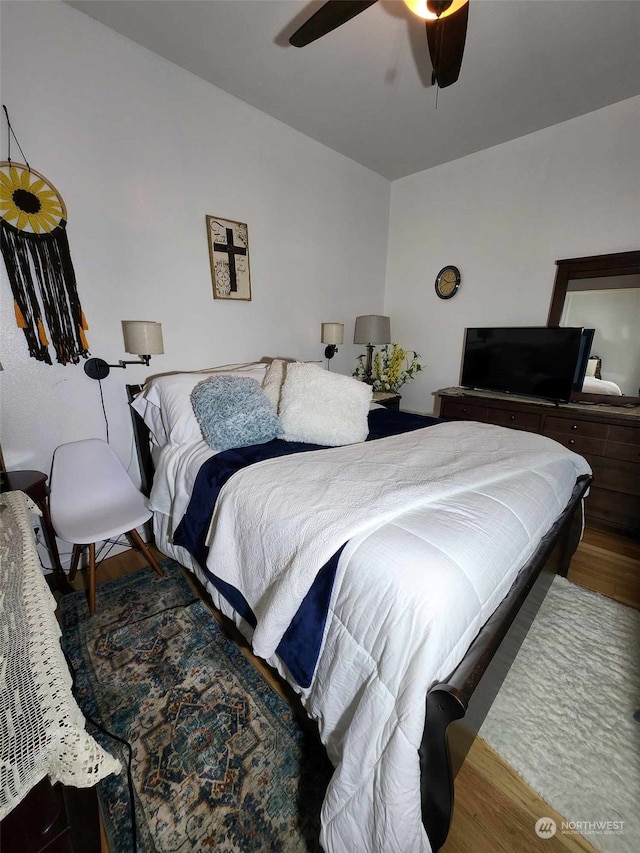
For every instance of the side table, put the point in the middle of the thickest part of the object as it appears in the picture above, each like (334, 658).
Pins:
(34, 484)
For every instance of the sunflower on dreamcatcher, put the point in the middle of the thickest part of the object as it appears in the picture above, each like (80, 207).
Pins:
(38, 260)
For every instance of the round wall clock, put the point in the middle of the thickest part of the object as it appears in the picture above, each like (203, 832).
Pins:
(448, 282)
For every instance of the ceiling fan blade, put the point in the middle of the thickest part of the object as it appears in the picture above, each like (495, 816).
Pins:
(328, 17)
(446, 38)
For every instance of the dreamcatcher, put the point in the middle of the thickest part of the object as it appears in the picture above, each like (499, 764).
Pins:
(38, 261)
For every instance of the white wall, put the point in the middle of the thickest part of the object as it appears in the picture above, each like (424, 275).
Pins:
(504, 216)
(141, 151)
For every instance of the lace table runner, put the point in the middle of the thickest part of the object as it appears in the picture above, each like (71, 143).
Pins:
(41, 726)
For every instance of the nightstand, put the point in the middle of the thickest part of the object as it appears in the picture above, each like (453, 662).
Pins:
(34, 484)
(387, 399)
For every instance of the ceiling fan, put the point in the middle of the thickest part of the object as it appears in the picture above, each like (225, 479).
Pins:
(445, 20)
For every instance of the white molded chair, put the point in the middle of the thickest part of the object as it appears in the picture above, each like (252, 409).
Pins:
(91, 499)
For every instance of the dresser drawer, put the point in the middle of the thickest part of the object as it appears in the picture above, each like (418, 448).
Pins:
(615, 474)
(625, 435)
(628, 452)
(583, 446)
(623, 443)
(579, 444)
(614, 510)
(463, 411)
(516, 420)
(569, 426)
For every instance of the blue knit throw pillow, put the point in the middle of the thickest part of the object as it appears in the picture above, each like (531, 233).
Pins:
(233, 411)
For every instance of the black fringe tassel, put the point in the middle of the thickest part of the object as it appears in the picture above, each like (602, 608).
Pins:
(43, 281)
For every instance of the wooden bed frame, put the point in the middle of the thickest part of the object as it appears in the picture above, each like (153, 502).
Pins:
(470, 689)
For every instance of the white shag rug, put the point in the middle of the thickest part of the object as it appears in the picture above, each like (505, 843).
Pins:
(564, 716)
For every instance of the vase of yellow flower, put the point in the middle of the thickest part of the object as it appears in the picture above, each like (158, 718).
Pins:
(393, 366)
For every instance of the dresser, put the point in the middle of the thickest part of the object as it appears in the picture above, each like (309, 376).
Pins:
(607, 436)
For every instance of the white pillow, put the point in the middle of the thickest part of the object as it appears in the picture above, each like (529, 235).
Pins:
(320, 407)
(150, 414)
(273, 381)
(170, 396)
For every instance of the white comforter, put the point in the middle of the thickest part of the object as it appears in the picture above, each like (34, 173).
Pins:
(591, 385)
(479, 497)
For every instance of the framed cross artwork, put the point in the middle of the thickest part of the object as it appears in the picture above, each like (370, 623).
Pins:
(229, 258)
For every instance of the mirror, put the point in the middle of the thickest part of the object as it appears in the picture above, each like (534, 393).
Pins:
(602, 292)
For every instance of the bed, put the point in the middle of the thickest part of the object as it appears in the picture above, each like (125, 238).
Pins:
(594, 383)
(379, 577)
(591, 385)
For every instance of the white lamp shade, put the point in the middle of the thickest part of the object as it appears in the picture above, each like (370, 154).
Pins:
(142, 337)
(332, 333)
(372, 329)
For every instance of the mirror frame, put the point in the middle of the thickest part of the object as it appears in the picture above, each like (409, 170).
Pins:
(595, 266)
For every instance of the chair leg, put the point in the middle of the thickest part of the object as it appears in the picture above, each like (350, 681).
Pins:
(137, 539)
(75, 559)
(92, 578)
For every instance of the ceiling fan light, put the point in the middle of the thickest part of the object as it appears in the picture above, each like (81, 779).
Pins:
(422, 10)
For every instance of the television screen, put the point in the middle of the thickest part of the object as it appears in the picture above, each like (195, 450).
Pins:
(534, 361)
(583, 357)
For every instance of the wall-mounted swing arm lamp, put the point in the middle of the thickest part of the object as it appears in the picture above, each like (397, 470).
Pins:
(371, 329)
(141, 337)
(332, 334)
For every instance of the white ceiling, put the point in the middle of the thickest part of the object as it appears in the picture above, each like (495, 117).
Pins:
(364, 89)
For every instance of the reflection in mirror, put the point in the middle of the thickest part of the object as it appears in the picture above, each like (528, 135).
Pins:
(602, 292)
(611, 306)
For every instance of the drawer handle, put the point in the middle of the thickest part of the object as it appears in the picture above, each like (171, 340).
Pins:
(571, 441)
(512, 417)
(574, 426)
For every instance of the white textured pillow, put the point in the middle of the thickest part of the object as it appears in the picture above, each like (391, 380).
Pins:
(273, 381)
(171, 395)
(320, 407)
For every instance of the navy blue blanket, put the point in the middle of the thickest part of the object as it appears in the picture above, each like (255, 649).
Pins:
(300, 645)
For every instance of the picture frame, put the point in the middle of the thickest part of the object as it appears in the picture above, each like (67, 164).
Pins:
(229, 258)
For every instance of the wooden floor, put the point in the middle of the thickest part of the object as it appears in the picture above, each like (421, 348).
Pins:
(610, 565)
(495, 811)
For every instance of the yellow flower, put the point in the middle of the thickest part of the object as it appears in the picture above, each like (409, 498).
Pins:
(28, 201)
(395, 364)
(392, 367)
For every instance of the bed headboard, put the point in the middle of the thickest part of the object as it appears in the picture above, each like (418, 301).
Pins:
(141, 438)
(141, 431)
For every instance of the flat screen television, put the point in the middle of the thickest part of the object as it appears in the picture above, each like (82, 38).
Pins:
(583, 357)
(532, 361)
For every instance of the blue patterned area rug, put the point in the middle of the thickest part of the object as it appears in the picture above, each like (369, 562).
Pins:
(219, 762)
